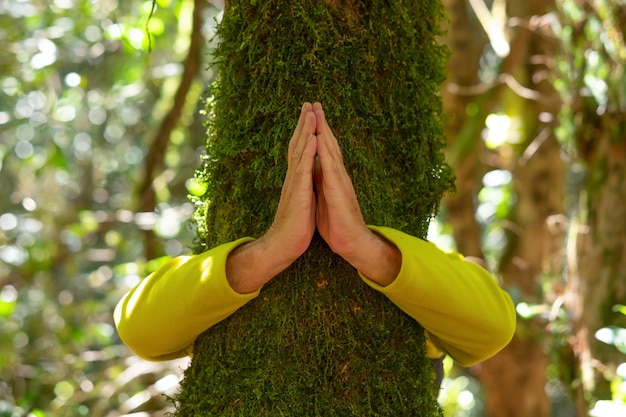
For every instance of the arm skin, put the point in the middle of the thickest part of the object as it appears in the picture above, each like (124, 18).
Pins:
(458, 303)
(333, 208)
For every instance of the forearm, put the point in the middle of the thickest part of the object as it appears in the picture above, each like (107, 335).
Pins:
(161, 317)
(458, 303)
(253, 264)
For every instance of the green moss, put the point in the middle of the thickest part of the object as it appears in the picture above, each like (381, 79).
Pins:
(318, 341)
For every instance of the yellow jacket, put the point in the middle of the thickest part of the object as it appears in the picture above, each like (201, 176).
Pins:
(461, 306)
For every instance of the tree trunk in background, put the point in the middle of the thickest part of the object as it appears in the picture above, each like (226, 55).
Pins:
(597, 279)
(514, 380)
(318, 341)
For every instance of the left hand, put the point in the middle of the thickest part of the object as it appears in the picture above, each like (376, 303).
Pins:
(338, 215)
(253, 264)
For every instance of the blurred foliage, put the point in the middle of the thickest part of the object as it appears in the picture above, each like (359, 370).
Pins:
(588, 74)
(83, 87)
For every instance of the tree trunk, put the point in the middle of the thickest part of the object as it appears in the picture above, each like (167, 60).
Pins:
(597, 267)
(597, 279)
(538, 175)
(539, 179)
(317, 341)
(514, 380)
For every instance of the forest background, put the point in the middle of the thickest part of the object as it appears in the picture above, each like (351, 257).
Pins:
(101, 129)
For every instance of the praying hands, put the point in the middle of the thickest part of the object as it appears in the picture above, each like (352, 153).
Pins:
(317, 194)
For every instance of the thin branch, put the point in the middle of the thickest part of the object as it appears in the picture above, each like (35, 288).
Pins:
(493, 28)
(152, 10)
(154, 161)
(507, 79)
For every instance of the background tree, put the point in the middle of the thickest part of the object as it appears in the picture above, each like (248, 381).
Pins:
(84, 87)
(529, 163)
(595, 52)
(518, 183)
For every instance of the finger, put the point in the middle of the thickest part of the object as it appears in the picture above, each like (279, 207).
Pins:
(334, 173)
(308, 130)
(330, 143)
(302, 181)
(306, 163)
(306, 109)
(304, 129)
(300, 142)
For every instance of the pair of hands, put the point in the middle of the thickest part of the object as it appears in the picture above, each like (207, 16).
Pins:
(317, 194)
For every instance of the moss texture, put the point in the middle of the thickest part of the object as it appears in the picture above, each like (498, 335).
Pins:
(318, 341)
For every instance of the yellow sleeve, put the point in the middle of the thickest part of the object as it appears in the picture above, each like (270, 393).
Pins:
(161, 317)
(464, 311)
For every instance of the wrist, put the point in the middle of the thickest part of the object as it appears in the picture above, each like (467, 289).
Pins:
(252, 265)
(377, 258)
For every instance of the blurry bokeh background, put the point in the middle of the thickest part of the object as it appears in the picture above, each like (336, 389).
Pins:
(101, 129)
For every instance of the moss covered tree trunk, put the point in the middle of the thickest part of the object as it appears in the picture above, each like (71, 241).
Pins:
(318, 341)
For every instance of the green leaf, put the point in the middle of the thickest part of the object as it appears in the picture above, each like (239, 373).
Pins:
(619, 308)
(6, 308)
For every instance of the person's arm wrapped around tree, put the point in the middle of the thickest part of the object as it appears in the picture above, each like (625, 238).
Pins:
(461, 306)
(160, 318)
(459, 303)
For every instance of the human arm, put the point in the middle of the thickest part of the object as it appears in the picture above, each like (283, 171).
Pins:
(161, 317)
(459, 303)
(461, 306)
